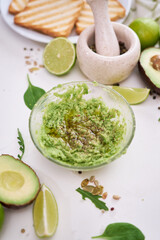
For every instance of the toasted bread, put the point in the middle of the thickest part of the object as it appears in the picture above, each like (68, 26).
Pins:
(53, 17)
(17, 6)
(116, 11)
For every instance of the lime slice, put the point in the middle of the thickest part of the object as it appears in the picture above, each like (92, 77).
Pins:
(1, 216)
(133, 95)
(59, 56)
(45, 213)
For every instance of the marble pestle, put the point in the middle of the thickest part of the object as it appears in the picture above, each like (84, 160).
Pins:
(105, 38)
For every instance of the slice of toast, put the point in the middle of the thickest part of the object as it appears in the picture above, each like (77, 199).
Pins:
(52, 17)
(17, 6)
(85, 19)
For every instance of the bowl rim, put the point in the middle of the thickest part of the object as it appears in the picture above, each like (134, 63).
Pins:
(89, 32)
(92, 167)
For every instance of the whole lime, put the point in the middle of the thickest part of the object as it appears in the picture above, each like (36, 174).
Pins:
(147, 30)
(1, 216)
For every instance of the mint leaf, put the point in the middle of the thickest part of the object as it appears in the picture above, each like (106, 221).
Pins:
(121, 231)
(94, 198)
(32, 94)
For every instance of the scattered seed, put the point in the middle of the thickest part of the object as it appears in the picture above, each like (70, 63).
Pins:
(33, 69)
(28, 62)
(41, 66)
(22, 230)
(31, 49)
(158, 108)
(98, 190)
(112, 208)
(116, 197)
(27, 57)
(80, 172)
(103, 211)
(35, 63)
(96, 182)
(154, 97)
(84, 182)
(92, 179)
(104, 195)
(25, 49)
(89, 189)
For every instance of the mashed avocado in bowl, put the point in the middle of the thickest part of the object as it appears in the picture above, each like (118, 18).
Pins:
(82, 125)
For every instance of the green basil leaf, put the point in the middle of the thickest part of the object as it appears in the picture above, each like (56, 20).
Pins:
(32, 94)
(121, 231)
(94, 198)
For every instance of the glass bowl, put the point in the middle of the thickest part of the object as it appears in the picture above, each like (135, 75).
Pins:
(92, 131)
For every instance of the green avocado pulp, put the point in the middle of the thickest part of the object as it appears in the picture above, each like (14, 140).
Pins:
(11, 181)
(80, 132)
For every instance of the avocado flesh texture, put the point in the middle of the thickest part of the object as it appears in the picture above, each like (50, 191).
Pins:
(19, 184)
(151, 75)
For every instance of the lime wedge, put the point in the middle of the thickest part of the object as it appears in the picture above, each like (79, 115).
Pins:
(1, 216)
(45, 213)
(59, 56)
(133, 95)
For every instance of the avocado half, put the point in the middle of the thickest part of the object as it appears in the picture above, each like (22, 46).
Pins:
(19, 184)
(149, 68)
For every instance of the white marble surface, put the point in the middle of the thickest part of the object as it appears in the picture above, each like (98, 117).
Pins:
(134, 176)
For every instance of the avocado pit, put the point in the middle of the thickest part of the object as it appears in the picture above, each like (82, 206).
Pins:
(155, 62)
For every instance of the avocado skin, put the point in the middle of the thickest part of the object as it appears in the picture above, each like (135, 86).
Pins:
(147, 79)
(18, 206)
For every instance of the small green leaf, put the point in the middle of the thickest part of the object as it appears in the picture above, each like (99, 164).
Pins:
(94, 198)
(21, 144)
(32, 94)
(121, 231)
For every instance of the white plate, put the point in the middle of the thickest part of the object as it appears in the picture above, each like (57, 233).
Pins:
(36, 36)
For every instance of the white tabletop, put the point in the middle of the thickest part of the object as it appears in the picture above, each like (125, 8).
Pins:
(135, 176)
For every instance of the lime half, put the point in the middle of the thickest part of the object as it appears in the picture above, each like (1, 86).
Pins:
(59, 56)
(45, 213)
(1, 216)
(133, 95)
